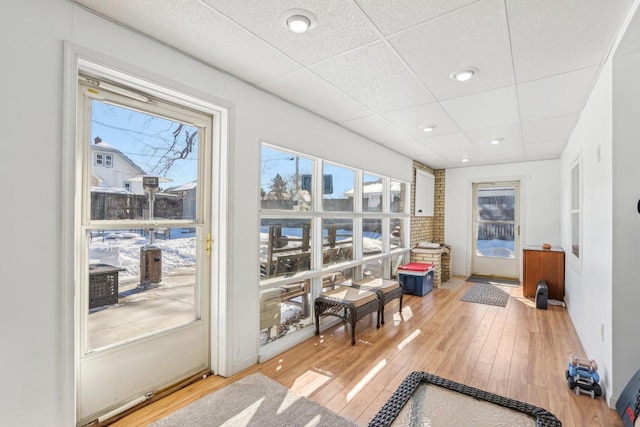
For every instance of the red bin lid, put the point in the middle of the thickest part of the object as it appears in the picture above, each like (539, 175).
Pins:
(415, 266)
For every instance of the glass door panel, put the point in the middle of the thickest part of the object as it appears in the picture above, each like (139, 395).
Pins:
(136, 289)
(496, 230)
(144, 276)
(496, 220)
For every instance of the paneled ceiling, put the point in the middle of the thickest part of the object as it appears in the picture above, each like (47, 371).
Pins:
(382, 68)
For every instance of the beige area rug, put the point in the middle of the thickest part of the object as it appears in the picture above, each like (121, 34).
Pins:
(255, 400)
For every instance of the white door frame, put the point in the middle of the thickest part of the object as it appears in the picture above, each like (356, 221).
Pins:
(516, 270)
(78, 58)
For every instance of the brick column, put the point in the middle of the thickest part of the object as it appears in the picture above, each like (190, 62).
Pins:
(438, 207)
(430, 256)
(446, 264)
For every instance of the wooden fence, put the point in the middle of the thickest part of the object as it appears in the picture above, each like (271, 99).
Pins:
(109, 206)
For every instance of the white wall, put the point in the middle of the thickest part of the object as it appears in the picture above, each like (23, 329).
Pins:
(539, 203)
(626, 219)
(602, 290)
(588, 283)
(36, 322)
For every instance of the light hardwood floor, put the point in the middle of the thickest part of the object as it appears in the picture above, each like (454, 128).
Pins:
(516, 351)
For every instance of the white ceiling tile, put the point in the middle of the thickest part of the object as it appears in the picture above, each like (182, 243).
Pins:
(341, 26)
(376, 129)
(384, 89)
(549, 129)
(210, 36)
(482, 110)
(551, 37)
(502, 154)
(448, 143)
(559, 95)
(410, 148)
(406, 13)
(474, 36)
(374, 76)
(307, 90)
(474, 158)
(544, 150)
(435, 162)
(410, 120)
(511, 136)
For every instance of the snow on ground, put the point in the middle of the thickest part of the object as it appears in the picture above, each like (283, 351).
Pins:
(123, 250)
(495, 248)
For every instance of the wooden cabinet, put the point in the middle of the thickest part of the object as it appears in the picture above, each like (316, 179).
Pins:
(543, 264)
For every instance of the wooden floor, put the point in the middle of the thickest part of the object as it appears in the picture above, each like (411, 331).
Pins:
(516, 351)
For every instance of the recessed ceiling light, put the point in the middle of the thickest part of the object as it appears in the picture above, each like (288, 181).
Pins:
(298, 20)
(464, 74)
(298, 23)
(496, 141)
(427, 128)
(465, 160)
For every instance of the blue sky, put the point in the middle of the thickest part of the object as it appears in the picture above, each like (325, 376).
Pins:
(275, 161)
(143, 138)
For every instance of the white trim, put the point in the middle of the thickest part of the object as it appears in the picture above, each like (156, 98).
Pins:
(67, 384)
(576, 261)
(468, 200)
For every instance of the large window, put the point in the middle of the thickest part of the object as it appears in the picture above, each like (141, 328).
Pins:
(322, 225)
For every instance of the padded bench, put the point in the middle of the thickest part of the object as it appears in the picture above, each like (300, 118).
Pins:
(348, 303)
(385, 288)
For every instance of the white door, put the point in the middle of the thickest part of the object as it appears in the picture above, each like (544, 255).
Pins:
(143, 221)
(496, 230)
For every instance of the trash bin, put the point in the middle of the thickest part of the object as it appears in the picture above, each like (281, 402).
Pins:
(542, 294)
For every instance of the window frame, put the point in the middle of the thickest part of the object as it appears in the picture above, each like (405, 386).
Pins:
(317, 215)
(575, 209)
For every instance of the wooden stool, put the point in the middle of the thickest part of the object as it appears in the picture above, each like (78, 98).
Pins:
(348, 303)
(385, 288)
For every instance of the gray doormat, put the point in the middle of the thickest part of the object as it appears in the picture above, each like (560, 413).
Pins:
(483, 293)
(493, 281)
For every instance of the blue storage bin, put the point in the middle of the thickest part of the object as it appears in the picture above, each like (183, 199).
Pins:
(417, 285)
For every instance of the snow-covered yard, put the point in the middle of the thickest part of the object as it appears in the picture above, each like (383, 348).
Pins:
(122, 249)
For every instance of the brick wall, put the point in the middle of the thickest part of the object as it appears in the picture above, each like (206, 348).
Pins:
(431, 229)
(438, 218)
